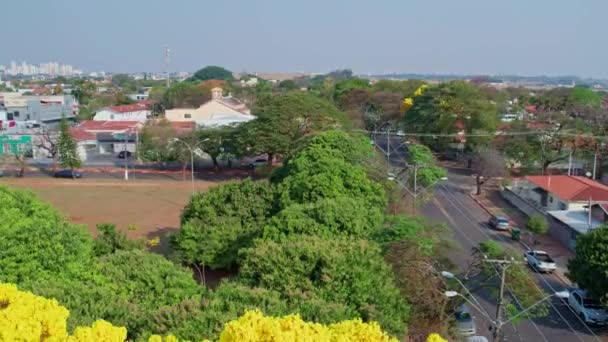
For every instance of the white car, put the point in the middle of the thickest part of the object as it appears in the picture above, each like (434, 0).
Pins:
(540, 261)
(590, 311)
(258, 162)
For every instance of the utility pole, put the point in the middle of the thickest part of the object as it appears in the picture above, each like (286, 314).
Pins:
(125, 151)
(594, 164)
(499, 322)
(167, 61)
(388, 148)
(415, 186)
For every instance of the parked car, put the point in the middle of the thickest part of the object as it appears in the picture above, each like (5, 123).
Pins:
(464, 321)
(123, 154)
(258, 162)
(499, 223)
(590, 311)
(67, 174)
(1, 173)
(540, 261)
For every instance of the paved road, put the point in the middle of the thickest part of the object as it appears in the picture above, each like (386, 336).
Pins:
(466, 219)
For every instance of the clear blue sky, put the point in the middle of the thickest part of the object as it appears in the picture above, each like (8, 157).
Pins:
(527, 37)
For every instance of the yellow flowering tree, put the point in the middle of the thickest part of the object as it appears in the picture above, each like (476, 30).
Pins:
(435, 338)
(408, 102)
(27, 317)
(254, 326)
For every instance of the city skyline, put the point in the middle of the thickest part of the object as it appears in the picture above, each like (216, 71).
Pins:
(551, 38)
(48, 68)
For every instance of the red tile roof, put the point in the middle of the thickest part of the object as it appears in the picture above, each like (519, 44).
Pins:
(572, 188)
(129, 108)
(80, 134)
(92, 125)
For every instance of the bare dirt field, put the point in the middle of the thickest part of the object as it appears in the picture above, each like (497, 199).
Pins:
(152, 208)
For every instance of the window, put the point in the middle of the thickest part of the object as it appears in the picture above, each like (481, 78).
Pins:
(563, 206)
(111, 116)
(16, 113)
(187, 116)
(550, 199)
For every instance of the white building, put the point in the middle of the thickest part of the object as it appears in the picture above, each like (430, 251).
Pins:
(136, 112)
(219, 111)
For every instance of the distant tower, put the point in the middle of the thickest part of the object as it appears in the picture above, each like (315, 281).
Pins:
(167, 61)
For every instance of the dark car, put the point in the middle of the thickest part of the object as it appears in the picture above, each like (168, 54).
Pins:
(122, 154)
(499, 223)
(67, 174)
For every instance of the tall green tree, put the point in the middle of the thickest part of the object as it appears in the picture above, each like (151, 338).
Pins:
(589, 267)
(218, 223)
(342, 271)
(67, 147)
(214, 142)
(450, 108)
(283, 119)
(212, 72)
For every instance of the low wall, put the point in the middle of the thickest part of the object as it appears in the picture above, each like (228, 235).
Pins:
(557, 229)
(520, 204)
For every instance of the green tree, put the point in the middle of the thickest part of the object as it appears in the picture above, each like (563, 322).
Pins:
(283, 119)
(589, 266)
(317, 173)
(585, 97)
(449, 108)
(66, 145)
(340, 216)
(288, 85)
(518, 279)
(212, 73)
(109, 240)
(348, 272)
(427, 171)
(218, 223)
(191, 319)
(346, 86)
(537, 225)
(36, 240)
(213, 141)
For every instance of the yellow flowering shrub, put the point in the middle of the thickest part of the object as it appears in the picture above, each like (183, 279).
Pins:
(100, 331)
(407, 103)
(435, 338)
(27, 317)
(420, 90)
(158, 338)
(253, 327)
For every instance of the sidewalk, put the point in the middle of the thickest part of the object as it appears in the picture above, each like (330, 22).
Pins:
(492, 203)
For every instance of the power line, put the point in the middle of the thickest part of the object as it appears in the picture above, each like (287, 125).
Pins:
(544, 280)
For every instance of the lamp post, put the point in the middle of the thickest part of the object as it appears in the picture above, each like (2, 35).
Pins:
(191, 149)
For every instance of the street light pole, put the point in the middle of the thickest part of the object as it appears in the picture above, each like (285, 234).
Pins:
(191, 150)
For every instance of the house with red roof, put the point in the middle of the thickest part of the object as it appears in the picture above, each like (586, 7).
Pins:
(106, 137)
(574, 204)
(140, 112)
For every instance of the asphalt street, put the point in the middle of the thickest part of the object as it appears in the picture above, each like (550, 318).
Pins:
(466, 221)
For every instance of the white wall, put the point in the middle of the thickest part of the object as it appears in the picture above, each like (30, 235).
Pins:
(108, 115)
(203, 113)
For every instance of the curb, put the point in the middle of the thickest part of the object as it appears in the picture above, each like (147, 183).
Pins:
(557, 275)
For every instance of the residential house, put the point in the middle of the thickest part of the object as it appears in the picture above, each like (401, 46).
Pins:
(219, 111)
(574, 204)
(106, 137)
(136, 112)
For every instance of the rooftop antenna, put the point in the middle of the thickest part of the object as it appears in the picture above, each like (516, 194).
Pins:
(167, 61)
